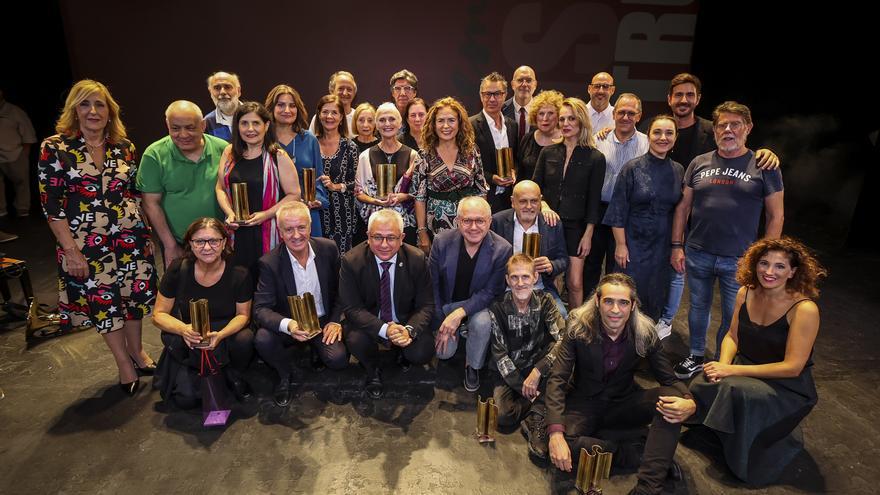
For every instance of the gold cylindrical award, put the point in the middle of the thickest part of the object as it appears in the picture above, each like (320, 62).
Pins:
(487, 420)
(303, 310)
(308, 184)
(593, 468)
(240, 201)
(201, 322)
(386, 180)
(504, 161)
(531, 245)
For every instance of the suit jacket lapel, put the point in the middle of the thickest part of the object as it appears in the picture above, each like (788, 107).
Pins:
(323, 269)
(286, 271)
(399, 277)
(484, 263)
(451, 263)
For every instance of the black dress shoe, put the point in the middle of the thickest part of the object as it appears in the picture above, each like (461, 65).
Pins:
(471, 379)
(240, 387)
(148, 370)
(283, 392)
(374, 386)
(674, 472)
(403, 362)
(130, 388)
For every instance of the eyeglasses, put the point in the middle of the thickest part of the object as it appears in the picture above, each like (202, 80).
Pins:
(200, 243)
(601, 86)
(379, 239)
(734, 126)
(479, 222)
(327, 113)
(492, 94)
(402, 89)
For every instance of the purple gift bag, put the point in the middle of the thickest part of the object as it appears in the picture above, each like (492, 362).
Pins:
(215, 401)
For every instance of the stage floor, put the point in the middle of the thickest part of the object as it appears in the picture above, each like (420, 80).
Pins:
(66, 428)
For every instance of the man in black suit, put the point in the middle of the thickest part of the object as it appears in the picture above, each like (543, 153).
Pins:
(387, 298)
(302, 264)
(517, 107)
(604, 343)
(494, 131)
(524, 218)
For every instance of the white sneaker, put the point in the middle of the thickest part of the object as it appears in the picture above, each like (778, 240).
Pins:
(663, 329)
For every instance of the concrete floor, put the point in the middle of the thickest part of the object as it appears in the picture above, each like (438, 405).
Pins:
(65, 428)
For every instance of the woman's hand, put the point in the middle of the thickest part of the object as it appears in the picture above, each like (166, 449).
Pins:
(425, 242)
(75, 263)
(621, 255)
(257, 218)
(314, 205)
(190, 336)
(214, 339)
(231, 222)
(330, 185)
(550, 216)
(584, 246)
(715, 371)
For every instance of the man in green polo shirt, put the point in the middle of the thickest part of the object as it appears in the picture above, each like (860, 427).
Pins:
(177, 175)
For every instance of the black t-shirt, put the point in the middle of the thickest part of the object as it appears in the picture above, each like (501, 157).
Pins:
(463, 275)
(179, 283)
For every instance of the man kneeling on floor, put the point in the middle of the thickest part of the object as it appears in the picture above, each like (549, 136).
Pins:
(603, 345)
(526, 324)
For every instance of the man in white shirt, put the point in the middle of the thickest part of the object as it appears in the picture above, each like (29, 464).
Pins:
(599, 108)
(524, 83)
(303, 264)
(493, 131)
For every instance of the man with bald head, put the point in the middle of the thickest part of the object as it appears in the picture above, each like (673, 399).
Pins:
(517, 108)
(177, 176)
(525, 218)
(467, 271)
(225, 89)
(600, 110)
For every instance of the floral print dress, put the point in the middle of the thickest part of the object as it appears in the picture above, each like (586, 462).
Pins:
(441, 189)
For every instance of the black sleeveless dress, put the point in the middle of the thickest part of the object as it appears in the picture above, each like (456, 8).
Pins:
(757, 418)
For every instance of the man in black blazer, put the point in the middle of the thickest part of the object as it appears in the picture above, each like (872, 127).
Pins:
(517, 107)
(493, 131)
(302, 264)
(525, 217)
(385, 288)
(604, 343)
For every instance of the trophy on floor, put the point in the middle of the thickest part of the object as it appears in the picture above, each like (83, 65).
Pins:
(531, 245)
(593, 469)
(387, 179)
(308, 184)
(240, 201)
(41, 323)
(487, 420)
(302, 309)
(201, 322)
(504, 161)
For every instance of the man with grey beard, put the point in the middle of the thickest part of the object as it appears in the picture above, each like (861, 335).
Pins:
(225, 90)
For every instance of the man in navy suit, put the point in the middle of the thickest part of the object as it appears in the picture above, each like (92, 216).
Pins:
(302, 264)
(524, 218)
(386, 294)
(494, 131)
(467, 270)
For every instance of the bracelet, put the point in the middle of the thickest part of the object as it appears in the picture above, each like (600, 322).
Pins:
(421, 229)
(676, 244)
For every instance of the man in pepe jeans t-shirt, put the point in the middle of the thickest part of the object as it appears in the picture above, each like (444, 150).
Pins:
(724, 193)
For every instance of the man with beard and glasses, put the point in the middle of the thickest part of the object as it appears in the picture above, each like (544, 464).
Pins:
(225, 90)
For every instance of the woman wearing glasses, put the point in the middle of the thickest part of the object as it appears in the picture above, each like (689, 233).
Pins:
(204, 272)
(339, 153)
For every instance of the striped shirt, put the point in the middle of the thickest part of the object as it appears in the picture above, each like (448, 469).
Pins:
(617, 153)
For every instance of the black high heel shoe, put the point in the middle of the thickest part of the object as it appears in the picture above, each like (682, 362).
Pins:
(130, 388)
(148, 370)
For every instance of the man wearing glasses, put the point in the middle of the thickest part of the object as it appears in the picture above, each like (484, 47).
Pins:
(523, 85)
(724, 193)
(467, 271)
(386, 294)
(599, 109)
(404, 87)
(494, 131)
(302, 264)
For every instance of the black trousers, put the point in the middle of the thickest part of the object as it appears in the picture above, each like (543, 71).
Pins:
(365, 348)
(276, 349)
(512, 406)
(601, 252)
(237, 350)
(583, 419)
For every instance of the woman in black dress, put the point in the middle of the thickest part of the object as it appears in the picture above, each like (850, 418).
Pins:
(414, 117)
(544, 119)
(204, 272)
(762, 386)
(339, 221)
(364, 123)
(255, 159)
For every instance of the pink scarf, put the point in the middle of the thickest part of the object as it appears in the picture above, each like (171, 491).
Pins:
(271, 193)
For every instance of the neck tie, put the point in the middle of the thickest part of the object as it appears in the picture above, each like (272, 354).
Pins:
(522, 123)
(385, 293)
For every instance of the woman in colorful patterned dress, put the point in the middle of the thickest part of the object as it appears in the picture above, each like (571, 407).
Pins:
(339, 221)
(105, 260)
(451, 169)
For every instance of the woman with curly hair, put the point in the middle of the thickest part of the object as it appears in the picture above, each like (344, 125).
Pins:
(761, 387)
(451, 169)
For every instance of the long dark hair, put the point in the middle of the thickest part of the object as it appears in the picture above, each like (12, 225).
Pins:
(270, 143)
(302, 116)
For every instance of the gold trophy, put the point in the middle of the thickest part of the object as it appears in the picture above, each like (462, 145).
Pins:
(308, 184)
(593, 469)
(198, 315)
(531, 245)
(240, 201)
(504, 161)
(387, 179)
(302, 309)
(487, 420)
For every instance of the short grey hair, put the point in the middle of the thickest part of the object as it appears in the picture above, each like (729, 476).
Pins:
(476, 202)
(293, 208)
(388, 107)
(387, 215)
(629, 96)
(183, 106)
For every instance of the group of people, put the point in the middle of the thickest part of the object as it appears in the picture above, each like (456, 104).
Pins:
(440, 257)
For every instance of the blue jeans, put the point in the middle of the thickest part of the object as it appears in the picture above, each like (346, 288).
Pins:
(676, 289)
(479, 331)
(702, 270)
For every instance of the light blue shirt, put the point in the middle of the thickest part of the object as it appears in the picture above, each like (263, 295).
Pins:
(617, 153)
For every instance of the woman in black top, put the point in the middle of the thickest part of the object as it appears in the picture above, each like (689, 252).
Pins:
(414, 120)
(544, 118)
(205, 272)
(364, 123)
(570, 175)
